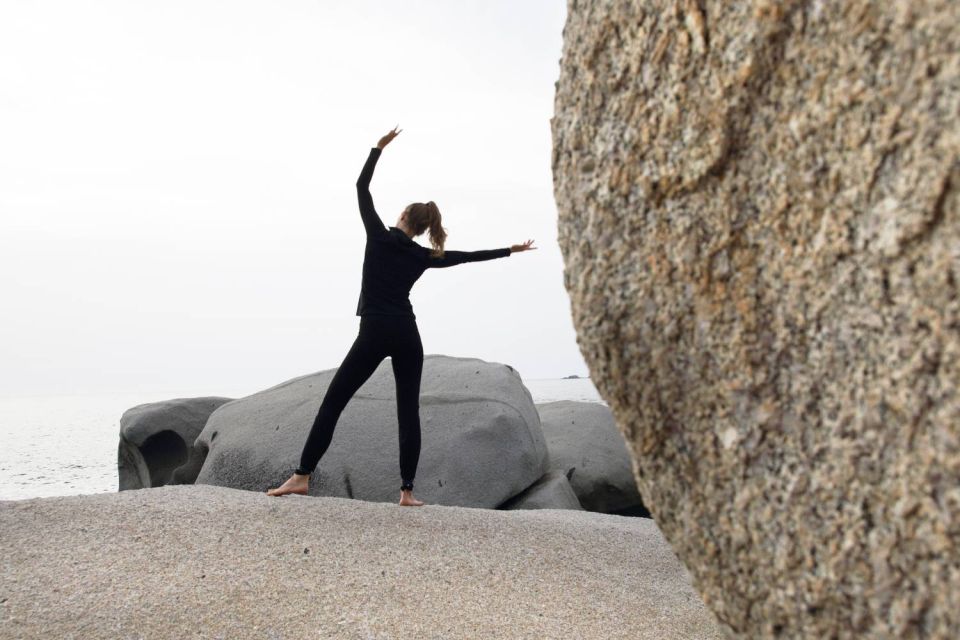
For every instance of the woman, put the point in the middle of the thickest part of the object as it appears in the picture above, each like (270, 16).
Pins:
(392, 263)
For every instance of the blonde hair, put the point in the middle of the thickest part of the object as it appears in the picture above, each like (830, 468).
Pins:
(424, 216)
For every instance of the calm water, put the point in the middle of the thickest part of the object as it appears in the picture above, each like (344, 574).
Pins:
(67, 445)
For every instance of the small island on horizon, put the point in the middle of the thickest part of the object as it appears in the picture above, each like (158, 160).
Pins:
(574, 377)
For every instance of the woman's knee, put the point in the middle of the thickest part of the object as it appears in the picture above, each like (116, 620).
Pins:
(410, 429)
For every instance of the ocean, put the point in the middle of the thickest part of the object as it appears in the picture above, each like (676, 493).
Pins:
(67, 445)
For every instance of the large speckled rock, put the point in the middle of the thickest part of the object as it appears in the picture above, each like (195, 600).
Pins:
(481, 441)
(758, 213)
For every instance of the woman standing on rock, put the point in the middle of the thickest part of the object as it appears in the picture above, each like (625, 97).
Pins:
(392, 263)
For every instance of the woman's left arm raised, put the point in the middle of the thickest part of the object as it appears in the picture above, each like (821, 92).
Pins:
(371, 220)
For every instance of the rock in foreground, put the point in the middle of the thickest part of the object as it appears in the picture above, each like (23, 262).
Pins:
(759, 214)
(171, 561)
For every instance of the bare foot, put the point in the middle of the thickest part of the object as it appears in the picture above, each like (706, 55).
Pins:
(407, 499)
(296, 484)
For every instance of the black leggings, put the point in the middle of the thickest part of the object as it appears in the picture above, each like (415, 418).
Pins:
(380, 336)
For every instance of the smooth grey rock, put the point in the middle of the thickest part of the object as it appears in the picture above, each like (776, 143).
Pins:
(156, 441)
(552, 491)
(759, 216)
(481, 441)
(584, 443)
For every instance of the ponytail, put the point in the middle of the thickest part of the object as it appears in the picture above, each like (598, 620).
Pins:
(438, 235)
(425, 216)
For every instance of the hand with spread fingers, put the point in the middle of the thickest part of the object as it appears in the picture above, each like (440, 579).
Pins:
(385, 140)
(522, 247)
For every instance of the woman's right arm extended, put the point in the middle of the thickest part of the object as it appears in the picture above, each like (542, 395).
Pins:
(451, 258)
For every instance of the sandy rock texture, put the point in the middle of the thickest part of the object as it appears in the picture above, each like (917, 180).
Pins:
(758, 213)
(203, 561)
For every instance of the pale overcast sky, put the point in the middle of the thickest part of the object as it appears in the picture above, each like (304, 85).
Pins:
(177, 185)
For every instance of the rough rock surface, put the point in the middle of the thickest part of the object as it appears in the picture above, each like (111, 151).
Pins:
(758, 213)
(156, 441)
(481, 441)
(204, 561)
(552, 491)
(583, 442)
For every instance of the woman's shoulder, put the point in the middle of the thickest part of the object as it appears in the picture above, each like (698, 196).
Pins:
(393, 242)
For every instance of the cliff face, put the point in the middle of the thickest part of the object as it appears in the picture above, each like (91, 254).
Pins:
(758, 212)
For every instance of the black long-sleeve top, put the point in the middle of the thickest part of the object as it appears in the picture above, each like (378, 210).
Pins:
(392, 261)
